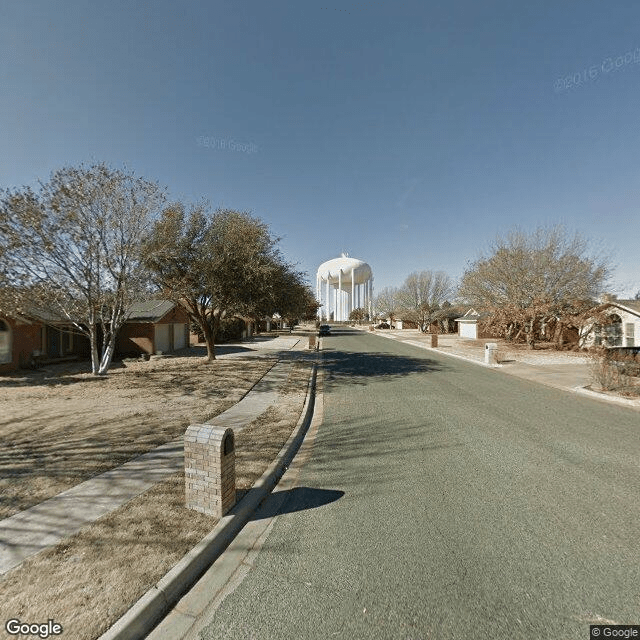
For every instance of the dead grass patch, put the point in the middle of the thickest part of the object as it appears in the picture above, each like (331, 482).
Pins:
(90, 580)
(60, 428)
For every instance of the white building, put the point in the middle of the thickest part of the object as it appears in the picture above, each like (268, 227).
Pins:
(623, 330)
(343, 284)
(468, 324)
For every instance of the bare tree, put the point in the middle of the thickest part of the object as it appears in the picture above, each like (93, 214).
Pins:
(358, 315)
(387, 304)
(216, 266)
(72, 250)
(422, 294)
(531, 279)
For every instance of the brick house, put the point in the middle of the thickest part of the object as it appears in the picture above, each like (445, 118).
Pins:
(20, 338)
(154, 326)
(151, 327)
(60, 340)
(23, 339)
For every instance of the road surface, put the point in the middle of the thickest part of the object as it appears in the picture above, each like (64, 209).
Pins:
(447, 500)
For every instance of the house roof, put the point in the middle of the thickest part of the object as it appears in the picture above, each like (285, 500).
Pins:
(630, 305)
(16, 317)
(149, 310)
(472, 315)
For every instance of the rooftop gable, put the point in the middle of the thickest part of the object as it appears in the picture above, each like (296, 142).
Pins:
(632, 306)
(149, 310)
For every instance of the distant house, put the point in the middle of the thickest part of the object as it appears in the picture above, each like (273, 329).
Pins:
(402, 323)
(26, 339)
(468, 324)
(60, 339)
(154, 326)
(442, 320)
(623, 330)
(20, 339)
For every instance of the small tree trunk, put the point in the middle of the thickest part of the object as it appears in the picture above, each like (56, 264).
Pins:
(558, 338)
(531, 337)
(209, 338)
(509, 333)
(93, 342)
(107, 355)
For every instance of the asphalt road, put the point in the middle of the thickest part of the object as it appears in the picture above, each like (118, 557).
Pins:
(447, 500)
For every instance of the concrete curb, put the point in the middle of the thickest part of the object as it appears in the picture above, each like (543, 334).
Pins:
(606, 397)
(415, 343)
(158, 601)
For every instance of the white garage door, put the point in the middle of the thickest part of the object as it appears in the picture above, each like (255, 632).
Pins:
(178, 336)
(468, 330)
(163, 338)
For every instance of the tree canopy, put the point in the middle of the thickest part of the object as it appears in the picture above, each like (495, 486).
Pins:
(422, 295)
(387, 303)
(71, 250)
(530, 279)
(219, 265)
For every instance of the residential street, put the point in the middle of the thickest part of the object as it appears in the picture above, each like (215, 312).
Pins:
(447, 500)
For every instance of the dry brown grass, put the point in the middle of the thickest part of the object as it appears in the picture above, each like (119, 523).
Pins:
(60, 428)
(91, 579)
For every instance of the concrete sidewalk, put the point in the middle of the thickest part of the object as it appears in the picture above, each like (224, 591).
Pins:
(556, 369)
(44, 525)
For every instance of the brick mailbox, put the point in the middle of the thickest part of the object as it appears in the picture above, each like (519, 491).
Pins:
(312, 342)
(209, 469)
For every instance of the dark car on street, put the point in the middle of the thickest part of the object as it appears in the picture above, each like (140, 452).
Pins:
(325, 330)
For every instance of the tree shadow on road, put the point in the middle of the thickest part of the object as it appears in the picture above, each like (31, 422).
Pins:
(358, 368)
(296, 499)
(367, 455)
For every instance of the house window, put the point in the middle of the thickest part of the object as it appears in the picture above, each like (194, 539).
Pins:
(613, 332)
(629, 336)
(5, 342)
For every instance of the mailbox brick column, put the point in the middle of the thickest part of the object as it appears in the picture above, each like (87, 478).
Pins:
(209, 469)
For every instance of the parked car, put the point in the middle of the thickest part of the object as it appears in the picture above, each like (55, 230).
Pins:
(325, 330)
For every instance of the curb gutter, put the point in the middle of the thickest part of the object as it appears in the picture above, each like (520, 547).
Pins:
(606, 397)
(150, 609)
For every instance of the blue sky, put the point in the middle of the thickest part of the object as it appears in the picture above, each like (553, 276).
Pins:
(407, 134)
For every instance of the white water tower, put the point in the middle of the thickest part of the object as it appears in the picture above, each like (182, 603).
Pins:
(344, 284)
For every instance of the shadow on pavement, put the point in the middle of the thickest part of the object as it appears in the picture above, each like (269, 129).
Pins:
(228, 349)
(296, 499)
(357, 368)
